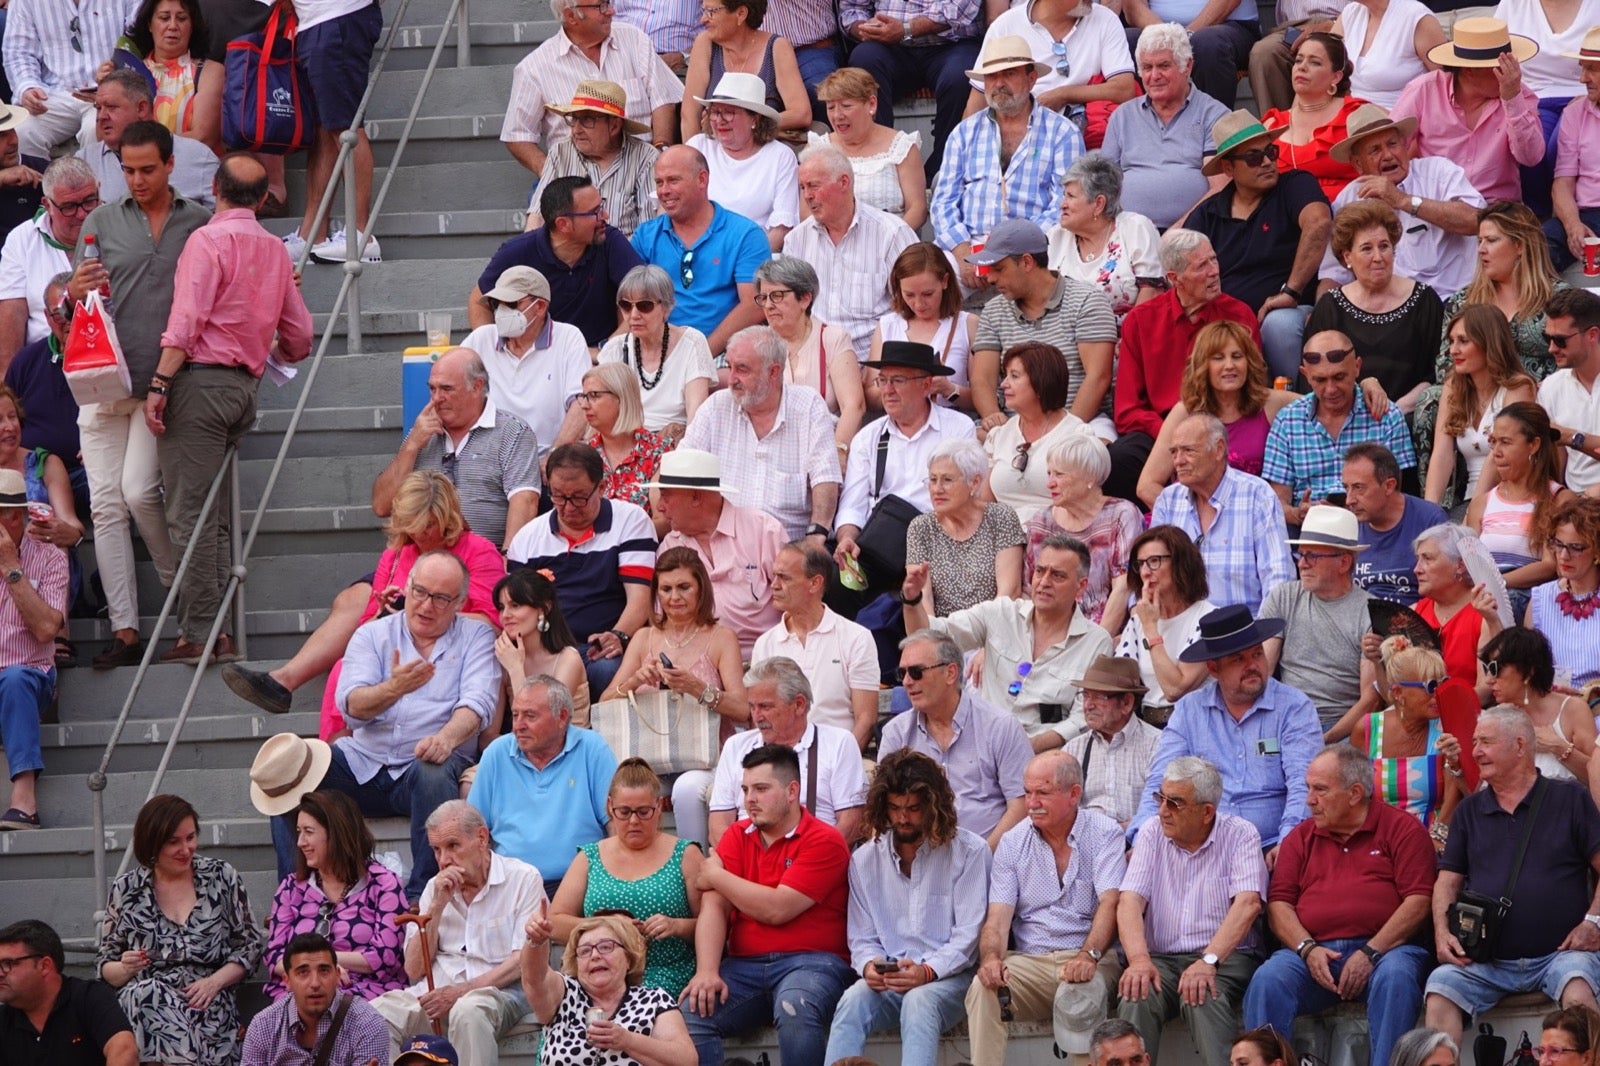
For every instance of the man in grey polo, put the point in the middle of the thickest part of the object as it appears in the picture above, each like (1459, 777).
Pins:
(982, 749)
(139, 240)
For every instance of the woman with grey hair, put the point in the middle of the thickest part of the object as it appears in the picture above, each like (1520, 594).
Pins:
(820, 356)
(1463, 597)
(973, 549)
(1077, 466)
(1424, 1047)
(672, 363)
(1099, 243)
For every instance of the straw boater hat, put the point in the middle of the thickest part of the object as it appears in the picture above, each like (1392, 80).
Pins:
(1004, 53)
(12, 116)
(1110, 674)
(687, 468)
(602, 98)
(1365, 121)
(286, 768)
(741, 90)
(13, 491)
(1236, 130)
(1480, 42)
(1588, 52)
(1327, 526)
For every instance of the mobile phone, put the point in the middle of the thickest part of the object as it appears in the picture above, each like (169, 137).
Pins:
(886, 967)
(664, 660)
(1336, 499)
(1050, 713)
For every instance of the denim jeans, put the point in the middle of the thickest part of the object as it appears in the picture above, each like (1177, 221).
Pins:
(794, 991)
(1282, 333)
(24, 695)
(922, 1016)
(415, 793)
(1283, 988)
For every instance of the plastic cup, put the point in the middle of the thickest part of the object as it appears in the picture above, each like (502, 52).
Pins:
(39, 511)
(1591, 257)
(436, 324)
(977, 246)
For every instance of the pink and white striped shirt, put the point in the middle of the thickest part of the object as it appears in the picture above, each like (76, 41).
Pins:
(44, 566)
(1188, 893)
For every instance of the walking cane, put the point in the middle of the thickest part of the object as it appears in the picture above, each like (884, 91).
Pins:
(421, 922)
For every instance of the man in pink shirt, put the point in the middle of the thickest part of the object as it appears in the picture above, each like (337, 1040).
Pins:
(1476, 111)
(1576, 192)
(235, 301)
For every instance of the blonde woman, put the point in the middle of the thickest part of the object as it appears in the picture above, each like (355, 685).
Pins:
(1415, 762)
(615, 414)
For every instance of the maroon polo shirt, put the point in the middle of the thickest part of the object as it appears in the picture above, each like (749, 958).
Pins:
(1350, 889)
(1156, 340)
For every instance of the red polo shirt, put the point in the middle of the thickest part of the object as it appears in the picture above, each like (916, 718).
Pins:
(1350, 889)
(1156, 340)
(814, 861)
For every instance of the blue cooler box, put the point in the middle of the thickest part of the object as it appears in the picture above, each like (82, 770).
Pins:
(417, 365)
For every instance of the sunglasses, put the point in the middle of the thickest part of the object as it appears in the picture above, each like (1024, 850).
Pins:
(686, 268)
(1430, 687)
(1332, 355)
(915, 672)
(1019, 462)
(1559, 340)
(1491, 667)
(1171, 803)
(644, 307)
(1063, 65)
(1256, 156)
(1015, 688)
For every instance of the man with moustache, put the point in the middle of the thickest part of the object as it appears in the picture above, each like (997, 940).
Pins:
(301, 1020)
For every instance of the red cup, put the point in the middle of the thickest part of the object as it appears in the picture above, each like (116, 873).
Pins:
(977, 246)
(1591, 257)
(40, 512)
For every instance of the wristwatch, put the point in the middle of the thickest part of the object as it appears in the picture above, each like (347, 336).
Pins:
(1287, 290)
(1209, 958)
(1416, 205)
(621, 636)
(1372, 953)
(1303, 948)
(1093, 954)
(13, 576)
(817, 529)
(1578, 440)
(710, 697)
(1592, 919)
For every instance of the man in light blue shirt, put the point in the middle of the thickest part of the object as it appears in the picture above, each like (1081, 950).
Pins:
(416, 689)
(918, 894)
(543, 787)
(1259, 733)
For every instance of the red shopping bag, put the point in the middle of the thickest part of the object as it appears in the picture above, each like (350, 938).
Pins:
(93, 362)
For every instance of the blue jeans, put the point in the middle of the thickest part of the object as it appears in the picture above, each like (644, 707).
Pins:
(1282, 988)
(794, 991)
(1555, 235)
(816, 63)
(1282, 334)
(416, 793)
(922, 1016)
(600, 673)
(24, 695)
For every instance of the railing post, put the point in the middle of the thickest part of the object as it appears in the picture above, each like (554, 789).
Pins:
(241, 635)
(352, 241)
(463, 37)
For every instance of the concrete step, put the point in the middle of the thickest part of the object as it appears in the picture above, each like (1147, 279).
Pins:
(430, 235)
(431, 189)
(402, 286)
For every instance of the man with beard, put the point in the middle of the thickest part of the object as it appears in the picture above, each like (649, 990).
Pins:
(1259, 733)
(917, 896)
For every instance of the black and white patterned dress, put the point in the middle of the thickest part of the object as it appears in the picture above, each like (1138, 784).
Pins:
(564, 1042)
(220, 930)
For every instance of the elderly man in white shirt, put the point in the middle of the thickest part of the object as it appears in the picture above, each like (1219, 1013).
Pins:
(851, 245)
(477, 906)
(1116, 748)
(52, 50)
(37, 251)
(590, 46)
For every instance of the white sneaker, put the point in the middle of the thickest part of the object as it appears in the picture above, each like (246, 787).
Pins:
(296, 246)
(333, 249)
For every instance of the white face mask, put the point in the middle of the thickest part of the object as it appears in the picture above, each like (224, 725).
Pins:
(509, 322)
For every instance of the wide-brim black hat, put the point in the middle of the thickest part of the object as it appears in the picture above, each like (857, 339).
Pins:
(911, 356)
(1227, 630)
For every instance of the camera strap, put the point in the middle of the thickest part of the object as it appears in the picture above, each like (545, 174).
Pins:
(1540, 786)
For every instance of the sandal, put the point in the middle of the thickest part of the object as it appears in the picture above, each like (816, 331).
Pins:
(66, 654)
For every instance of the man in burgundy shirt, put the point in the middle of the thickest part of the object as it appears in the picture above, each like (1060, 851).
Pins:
(1350, 894)
(777, 886)
(235, 301)
(1157, 337)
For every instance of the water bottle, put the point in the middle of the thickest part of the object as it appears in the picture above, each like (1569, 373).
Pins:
(91, 250)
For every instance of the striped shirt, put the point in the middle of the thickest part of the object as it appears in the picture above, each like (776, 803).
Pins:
(1075, 313)
(854, 273)
(590, 572)
(39, 52)
(972, 195)
(1116, 769)
(800, 22)
(1053, 913)
(44, 566)
(1188, 893)
(1246, 550)
(1575, 642)
(498, 459)
(627, 186)
(274, 1035)
(550, 73)
(671, 25)
(775, 473)
(960, 16)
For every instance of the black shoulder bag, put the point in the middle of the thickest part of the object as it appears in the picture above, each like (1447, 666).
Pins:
(883, 539)
(1476, 919)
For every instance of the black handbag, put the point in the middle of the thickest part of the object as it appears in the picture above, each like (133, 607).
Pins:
(1476, 919)
(883, 539)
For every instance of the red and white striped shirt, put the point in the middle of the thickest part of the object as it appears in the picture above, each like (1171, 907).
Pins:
(44, 566)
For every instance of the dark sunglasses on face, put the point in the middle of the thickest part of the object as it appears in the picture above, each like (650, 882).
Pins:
(644, 307)
(915, 672)
(1254, 157)
(1559, 340)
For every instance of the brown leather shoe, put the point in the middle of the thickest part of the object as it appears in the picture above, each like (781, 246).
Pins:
(188, 652)
(119, 653)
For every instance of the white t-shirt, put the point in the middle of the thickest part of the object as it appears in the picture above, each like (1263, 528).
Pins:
(1096, 44)
(1178, 632)
(1026, 491)
(27, 264)
(689, 359)
(838, 656)
(1563, 396)
(309, 13)
(539, 387)
(1549, 75)
(841, 784)
(765, 188)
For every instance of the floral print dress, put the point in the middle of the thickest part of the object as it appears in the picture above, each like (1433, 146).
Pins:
(362, 921)
(219, 930)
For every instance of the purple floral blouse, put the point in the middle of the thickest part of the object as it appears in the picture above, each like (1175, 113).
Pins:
(363, 921)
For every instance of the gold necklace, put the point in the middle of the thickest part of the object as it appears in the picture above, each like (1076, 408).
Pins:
(694, 633)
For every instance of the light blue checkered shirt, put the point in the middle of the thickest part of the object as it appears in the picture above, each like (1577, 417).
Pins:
(1245, 549)
(972, 196)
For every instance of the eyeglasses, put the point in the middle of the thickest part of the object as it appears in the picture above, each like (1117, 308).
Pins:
(1015, 688)
(7, 964)
(629, 814)
(440, 600)
(1256, 156)
(75, 27)
(1152, 562)
(78, 207)
(603, 5)
(1062, 63)
(1561, 547)
(573, 501)
(1019, 462)
(1430, 687)
(772, 296)
(707, 10)
(1100, 699)
(587, 120)
(899, 381)
(686, 268)
(644, 307)
(1313, 557)
(601, 948)
(600, 209)
(1490, 667)
(916, 671)
(1553, 1052)
(944, 481)
(587, 398)
(1171, 803)
(1332, 355)
(1559, 340)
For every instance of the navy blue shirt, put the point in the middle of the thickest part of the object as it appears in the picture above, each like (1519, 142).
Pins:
(51, 414)
(582, 295)
(19, 203)
(1552, 891)
(1387, 568)
(1257, 253)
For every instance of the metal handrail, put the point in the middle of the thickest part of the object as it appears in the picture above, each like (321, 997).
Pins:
(347, 299)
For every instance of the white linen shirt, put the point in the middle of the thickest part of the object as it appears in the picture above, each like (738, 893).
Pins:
(838, 657)
(853, 275)
(841, 784)
(476, 937)
(1569, 404)
(550, 73)
(1425, 252)
(539, 386)
(905, 470)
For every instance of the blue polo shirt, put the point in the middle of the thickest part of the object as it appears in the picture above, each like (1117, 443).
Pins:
(589, 573)
(726, 256)
(1161, 161)
(583, 294)
(1257, 253)
(51, 420)
(1387, 568)
(544, 816)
